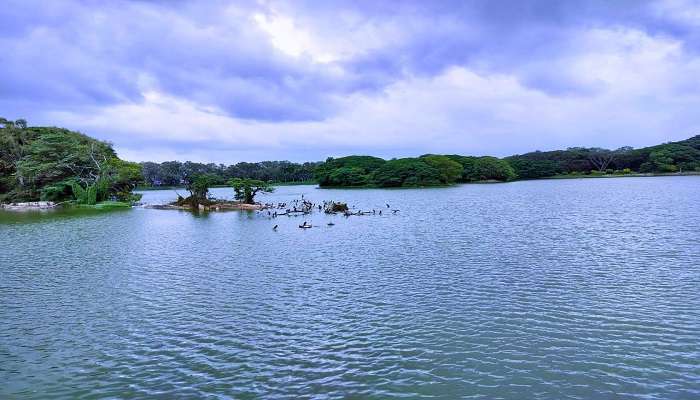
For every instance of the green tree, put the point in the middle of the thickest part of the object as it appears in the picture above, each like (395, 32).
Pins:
(407, 172)
(47, 163)
(450, 170)
(347, 171)
(245, 189)
(532, 169)
(486, 168)
(659, 161)
(198, 186)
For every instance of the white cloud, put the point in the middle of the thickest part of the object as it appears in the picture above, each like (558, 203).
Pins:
(457, 111)
(291, 39)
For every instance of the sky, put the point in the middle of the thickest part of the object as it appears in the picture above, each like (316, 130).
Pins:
(229, 81)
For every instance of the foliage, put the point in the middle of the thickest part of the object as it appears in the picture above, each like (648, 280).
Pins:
(669, 157)
(486, 168)
(47, 163)
(198, 185)
(534, 169)
(406, 172)
(450, 170)
(438, 169)
(246, 189)
(347, 171)
(175, 173)
(429, 170)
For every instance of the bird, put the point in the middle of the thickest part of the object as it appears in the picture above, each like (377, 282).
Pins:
(387, 206)
(395, 211)
(274, 228)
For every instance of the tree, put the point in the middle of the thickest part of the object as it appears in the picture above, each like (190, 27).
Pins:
(171, 173)
(198, 186)
(152, 173)
(450, 171)
(408, 172)
(245, 189)
(601, 158)
(347, 171)
(38, 163)
(659, 161)
(486, 168)
(532, 169)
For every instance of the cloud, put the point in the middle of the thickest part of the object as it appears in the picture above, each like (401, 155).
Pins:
(227, 81)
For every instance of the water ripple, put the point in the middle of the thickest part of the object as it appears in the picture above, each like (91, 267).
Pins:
(547, 290)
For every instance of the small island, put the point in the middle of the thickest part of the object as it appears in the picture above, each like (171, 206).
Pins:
(199, 199)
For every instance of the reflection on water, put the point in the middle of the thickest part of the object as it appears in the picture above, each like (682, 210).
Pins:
(542, 289)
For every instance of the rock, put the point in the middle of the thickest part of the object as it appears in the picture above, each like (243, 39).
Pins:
(33, 205)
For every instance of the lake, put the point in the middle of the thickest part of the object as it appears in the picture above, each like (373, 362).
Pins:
(550, 289)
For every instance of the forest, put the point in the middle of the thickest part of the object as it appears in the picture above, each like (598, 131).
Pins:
(681, 156)
(176, 173)
(55, 164)
(426, 170)
(435, 170)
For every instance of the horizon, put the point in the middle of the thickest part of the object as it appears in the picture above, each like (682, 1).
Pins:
(226, 82)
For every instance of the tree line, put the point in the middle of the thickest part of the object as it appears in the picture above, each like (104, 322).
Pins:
(663, 158)
(433, 170)
(55, 164)
(176, 173)
(426, 170)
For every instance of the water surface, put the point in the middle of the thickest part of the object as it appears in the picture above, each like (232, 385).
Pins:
(560, 289)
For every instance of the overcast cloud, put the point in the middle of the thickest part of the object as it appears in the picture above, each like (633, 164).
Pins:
(228, 81)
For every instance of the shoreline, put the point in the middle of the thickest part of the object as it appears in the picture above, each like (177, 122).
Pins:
(553, 177)
(630, 175)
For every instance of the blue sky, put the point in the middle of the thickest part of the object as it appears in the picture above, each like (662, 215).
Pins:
(226, 81)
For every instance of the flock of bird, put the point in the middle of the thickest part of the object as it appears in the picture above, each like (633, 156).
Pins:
(302, 206)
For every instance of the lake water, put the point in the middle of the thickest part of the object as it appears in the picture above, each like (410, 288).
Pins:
(556, 289)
